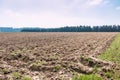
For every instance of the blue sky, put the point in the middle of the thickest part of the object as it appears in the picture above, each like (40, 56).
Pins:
(58, 13)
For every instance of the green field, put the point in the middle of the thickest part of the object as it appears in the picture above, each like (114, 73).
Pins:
(113, 52)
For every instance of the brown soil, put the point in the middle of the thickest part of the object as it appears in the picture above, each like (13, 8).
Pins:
(52, 56)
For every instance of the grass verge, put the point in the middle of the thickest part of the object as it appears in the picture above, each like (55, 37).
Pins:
(87, 77)
(113, 52)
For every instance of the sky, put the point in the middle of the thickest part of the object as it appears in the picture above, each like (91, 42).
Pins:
(58, 13)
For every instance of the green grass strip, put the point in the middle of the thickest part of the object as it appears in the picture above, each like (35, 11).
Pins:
(87, 77)
(113, 52)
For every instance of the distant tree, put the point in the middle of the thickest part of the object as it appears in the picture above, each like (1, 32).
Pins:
(104, 28)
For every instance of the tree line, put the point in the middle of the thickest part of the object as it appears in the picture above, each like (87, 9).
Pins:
(10, 29)
(104, 28)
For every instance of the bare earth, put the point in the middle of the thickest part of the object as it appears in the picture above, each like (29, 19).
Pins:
(52, 56)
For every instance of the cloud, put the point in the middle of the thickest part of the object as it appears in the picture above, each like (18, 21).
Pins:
(93, 3)
(60, 6)
(53, 13)
(117, 8)
(106, 2)
(43, 19)
(38, 6)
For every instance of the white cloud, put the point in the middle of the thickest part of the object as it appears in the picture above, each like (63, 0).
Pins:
(44, 19)
(53, 13)
(106, 2)
(93, 3)
(117, 8)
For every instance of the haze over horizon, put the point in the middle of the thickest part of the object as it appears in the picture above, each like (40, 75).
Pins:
(58, 13)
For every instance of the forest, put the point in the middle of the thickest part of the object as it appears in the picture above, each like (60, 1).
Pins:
(104, 28)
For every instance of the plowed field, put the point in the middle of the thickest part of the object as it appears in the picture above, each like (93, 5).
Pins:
(52, 56)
